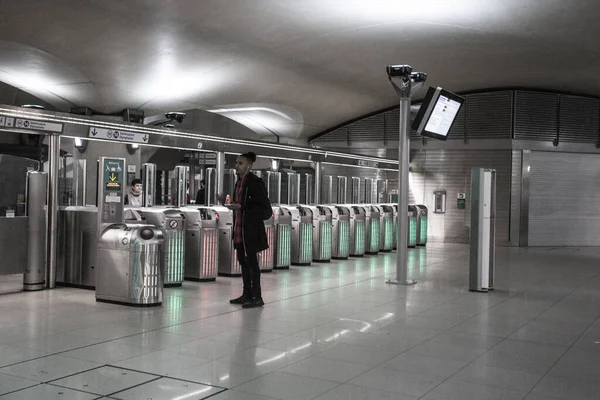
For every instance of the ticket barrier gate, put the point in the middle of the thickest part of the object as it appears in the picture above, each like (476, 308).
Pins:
(266, 257)
(395, 233)
(76, 264)
(322, 231)
(172, 222)
(340, 243)
(386, 239)
(372, 229)
(131, 265)
(357, 230)
(282, 219)
(227, 260)
(412, 226)
(421, 225)
(201, 243)
(301, 238)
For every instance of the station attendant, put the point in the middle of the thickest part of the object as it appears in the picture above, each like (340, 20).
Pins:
(251, 207)
(134, 197)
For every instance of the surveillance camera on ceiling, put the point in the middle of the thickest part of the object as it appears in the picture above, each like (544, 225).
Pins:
(175, 116)
(398, 70)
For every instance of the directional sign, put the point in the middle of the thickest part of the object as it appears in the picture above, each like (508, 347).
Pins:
(38, 125)
(117, 135)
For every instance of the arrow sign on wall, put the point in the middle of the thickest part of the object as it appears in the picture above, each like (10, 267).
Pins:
(117, 136)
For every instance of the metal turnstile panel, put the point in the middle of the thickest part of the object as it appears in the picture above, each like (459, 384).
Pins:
(421, 225)
(359, 238)
(283, 255)
(413, 227)
(305, 244)
(340, 235)
(266, 257)
(325, 232)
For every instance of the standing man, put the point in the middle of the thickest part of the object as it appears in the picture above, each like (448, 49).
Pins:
(134, 197)
(251, 208)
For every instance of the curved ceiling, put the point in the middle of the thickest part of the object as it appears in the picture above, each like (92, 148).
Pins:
(292, 68)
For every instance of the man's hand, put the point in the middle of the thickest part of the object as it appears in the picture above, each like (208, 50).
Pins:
(234, 206)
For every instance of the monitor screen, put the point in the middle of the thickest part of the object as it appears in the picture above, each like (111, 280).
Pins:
(437, 113)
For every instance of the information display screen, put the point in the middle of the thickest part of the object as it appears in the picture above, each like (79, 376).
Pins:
(437, 113)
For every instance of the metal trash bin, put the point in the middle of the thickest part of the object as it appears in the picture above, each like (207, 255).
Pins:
(340, 243)
(266, 257)
(421, 225)
(130, 265)
(322, 231)
(283, 237)
(412, 226)
(77, 250)
(386, 239)
(358, 232)
(301, 244)
(172, 222)
(201, 243)
(372, 229)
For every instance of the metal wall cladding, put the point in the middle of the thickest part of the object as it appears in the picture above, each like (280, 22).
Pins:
(515, 197)
(579, 119)
(486, 116)
(369, 129)
(450, 170)
(564, 202)
(536, 116)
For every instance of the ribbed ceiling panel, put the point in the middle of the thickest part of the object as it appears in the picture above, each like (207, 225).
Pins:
(536, 116)
(489, 115)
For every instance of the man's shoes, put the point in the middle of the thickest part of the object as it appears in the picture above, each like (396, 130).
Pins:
(253, 303)
(240, 300)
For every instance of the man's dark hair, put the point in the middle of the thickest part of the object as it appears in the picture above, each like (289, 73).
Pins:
(136, 181)
(250, 156)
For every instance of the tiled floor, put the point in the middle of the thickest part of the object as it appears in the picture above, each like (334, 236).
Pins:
(330, 331)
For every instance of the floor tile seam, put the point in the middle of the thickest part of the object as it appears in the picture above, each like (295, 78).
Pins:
(66, 376)
(19, 390)
(160, 376)
(561, 357)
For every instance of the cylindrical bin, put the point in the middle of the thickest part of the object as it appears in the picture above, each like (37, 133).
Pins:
(357, 230)
(321, 225)
(33, 278)
(386, 239)
(282, 242)
(76, 261)
(172, 223)
(340, 243)
(266, 257)
(412, 226)
(301, 244)
(130, 265)
(201, 243)
(421, 225)
(372, 229)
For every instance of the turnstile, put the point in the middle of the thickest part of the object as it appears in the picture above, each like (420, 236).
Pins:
(266, 257)
(172, 222)
(386, 238)
(412, 226)
(301, 243)
(421, 225)
(201, 243)
(357, 230)
(340, 243)
(395, 233)
(228, 265)
(372, 229)
(130, 265)
(322, 231)
(76, 264)
(282, 243)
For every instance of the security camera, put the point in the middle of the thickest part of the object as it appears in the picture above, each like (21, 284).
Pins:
(418, 77)
(175, 116)
(398, 70)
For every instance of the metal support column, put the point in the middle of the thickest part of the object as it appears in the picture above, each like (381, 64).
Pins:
(52, 209)
(318, 171)
(402, 79)
(220, 176)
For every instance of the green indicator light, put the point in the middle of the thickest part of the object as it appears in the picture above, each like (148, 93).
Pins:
(423, 233)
